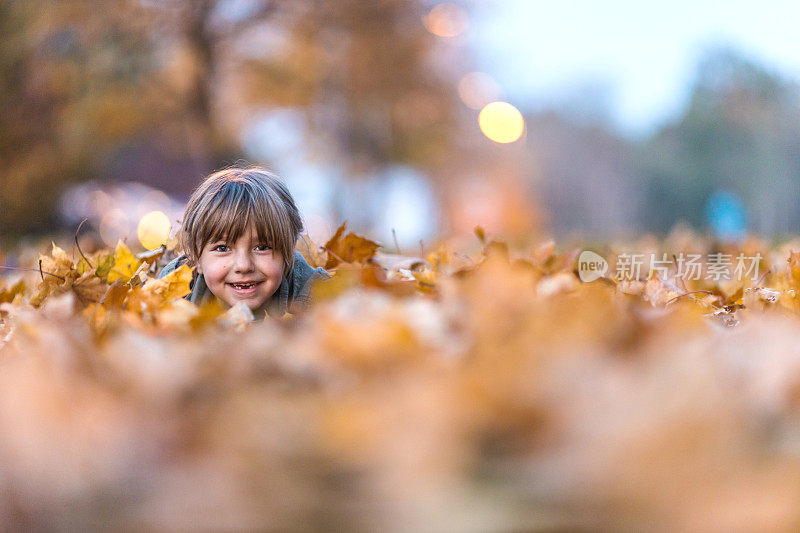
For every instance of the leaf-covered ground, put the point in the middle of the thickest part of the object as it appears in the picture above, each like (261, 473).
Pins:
(479, 388)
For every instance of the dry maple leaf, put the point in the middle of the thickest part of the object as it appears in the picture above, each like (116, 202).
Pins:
(59, 262)
(350, 248)
(142, 303)
(173, 285)
(89, 289)
(57, 269)
(125, 264)
(313, 253)
(146, 302)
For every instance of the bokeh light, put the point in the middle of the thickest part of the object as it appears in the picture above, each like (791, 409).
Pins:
(153, 200)
(477, 89)
(114, 225)
(99, 201)
(153, 230)
(446, 20)
(501, 122)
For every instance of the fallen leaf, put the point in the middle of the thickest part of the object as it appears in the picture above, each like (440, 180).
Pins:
(313, 253)
(89, 288)
(173, 285)
(350, 248)
(8, 294)
(125, 264)
(151, 256)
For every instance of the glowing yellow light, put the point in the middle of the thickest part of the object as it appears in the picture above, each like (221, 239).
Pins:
(501, 122)
(153, 230)
(446, 20)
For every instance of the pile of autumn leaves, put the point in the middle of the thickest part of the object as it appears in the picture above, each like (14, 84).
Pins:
(112, 289)
(475, 391)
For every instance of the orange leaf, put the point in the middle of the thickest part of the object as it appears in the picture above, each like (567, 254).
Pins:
(351, 248)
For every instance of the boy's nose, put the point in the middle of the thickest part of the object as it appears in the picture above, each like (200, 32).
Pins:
(243, 262)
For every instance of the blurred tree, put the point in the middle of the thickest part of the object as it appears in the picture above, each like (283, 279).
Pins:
(30, 141)
(365, 72)
(78, 82)
(591, 183)
(374, 87)
(739, 133)
(160, 91)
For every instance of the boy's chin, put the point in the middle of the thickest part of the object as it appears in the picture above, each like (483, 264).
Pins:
(255, 304)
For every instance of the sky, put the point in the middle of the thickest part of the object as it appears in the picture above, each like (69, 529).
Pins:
(631, 59)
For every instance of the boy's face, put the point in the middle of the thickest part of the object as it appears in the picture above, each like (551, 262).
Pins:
(246, 271)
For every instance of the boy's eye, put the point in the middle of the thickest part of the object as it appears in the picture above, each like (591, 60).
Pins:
(263, 247)
(220, 248)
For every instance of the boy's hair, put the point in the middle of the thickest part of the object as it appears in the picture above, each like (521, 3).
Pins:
(228, 202)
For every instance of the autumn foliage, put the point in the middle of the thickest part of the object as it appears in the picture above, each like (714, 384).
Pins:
(480, 387)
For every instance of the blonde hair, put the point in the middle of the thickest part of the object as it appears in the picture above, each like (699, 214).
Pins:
(231, 201)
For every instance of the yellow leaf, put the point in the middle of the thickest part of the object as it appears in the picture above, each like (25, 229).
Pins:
(426, 279)
(125, 264)
(105, 262)
(173, 285)
(8, 294)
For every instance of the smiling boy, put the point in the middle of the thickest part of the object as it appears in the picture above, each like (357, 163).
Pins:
(240, 229)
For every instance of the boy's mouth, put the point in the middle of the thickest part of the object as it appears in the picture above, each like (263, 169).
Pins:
(244, 286)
